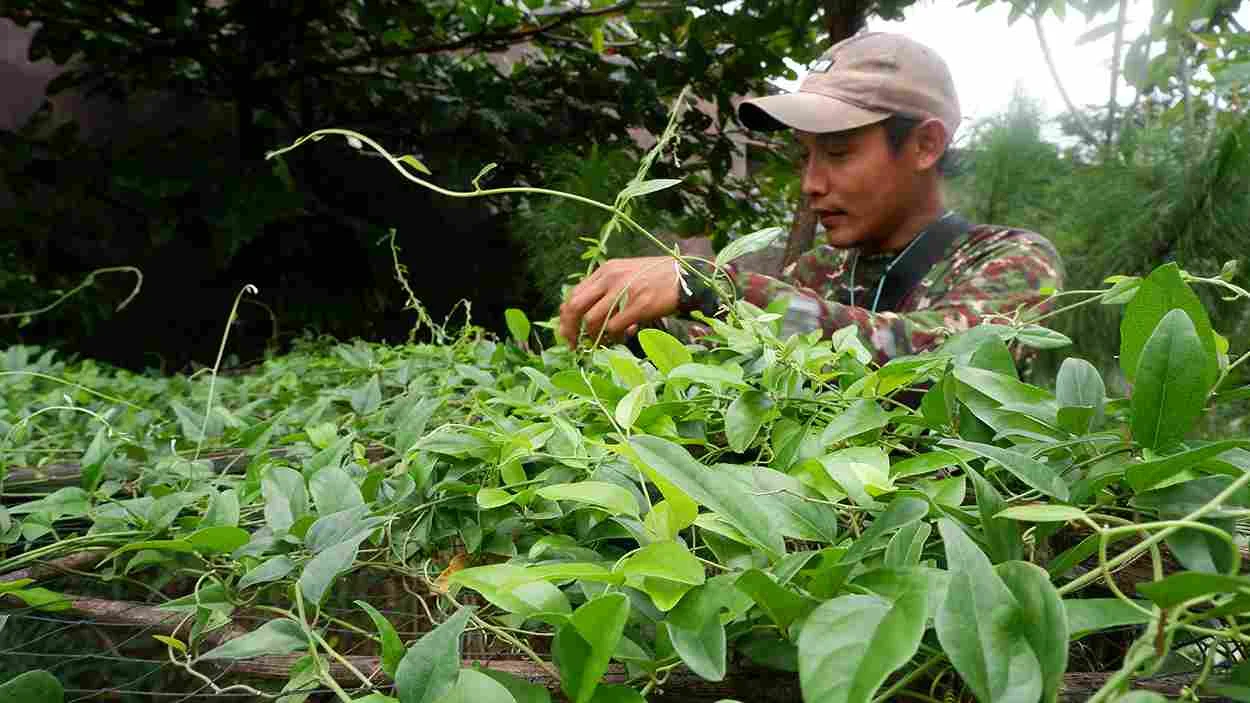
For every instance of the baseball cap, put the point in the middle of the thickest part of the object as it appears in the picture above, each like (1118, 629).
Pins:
(861, 81)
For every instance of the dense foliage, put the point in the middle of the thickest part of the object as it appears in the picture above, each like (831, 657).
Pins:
(934, 525)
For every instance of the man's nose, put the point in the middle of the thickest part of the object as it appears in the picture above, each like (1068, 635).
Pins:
(814, 181)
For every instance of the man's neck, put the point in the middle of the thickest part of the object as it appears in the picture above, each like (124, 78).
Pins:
(909, 228)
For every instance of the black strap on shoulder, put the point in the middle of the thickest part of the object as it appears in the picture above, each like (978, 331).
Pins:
(926, 252)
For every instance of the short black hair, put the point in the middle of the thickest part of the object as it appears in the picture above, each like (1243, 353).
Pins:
(898, 127)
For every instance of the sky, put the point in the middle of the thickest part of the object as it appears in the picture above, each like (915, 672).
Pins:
(987, 57)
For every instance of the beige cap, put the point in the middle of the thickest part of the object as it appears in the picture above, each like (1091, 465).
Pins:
(861, 81)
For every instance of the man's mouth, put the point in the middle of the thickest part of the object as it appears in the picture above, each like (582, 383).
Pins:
(830, 218)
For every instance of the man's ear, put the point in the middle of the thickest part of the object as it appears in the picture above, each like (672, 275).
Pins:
(929, 143)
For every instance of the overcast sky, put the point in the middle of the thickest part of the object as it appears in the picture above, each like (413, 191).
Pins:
(987, 58)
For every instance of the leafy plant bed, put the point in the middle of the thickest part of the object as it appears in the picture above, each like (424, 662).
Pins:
(741, 518)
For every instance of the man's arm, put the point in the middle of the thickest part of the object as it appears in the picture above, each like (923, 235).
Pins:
(1003, 278)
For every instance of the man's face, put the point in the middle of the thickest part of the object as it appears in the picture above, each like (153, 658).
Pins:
(860, 189)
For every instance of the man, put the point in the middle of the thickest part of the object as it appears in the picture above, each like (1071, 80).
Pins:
(875, 115)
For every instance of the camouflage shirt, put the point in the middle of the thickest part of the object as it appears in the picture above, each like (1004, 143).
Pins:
(987, 271)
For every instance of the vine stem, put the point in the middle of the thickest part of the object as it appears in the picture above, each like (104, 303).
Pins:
(221, 352)
(85, 283)
(1135, 551)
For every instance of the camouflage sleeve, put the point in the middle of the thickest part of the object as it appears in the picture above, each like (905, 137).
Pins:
(998, 281)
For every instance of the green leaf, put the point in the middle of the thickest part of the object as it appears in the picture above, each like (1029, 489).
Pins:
(1171, 384)
(223, 509)
(518, 325)
(929, 462)
(744, 418)
(334, 490)
(1158, 294)
(32, 687)
(748, 243)
(323, 569)
(787, 500)
(863, 416)
(415, 163)
(629, 407)
(523, 691)
(275, 637)
(862, 472)
(1043, 620)
(1097, 33)
(1173, 590)
(515, 589)
(271, 570)
(1150, 473)
(1040, 512)
(851, 644)
(1090, 615)
(368, 397)
(583, 647)
(906, 547)
(663, 349)
(707, 374)
(601, 494)
(977, 626)
(1002, 536)
(490, 498)
(663, 570)
(339, 527)
(285, 498)
(430, 667)
(1032, 472)
(1080, 384)
(218, 540)
(902, 511)
(476, 687)
(781, 605)
(392, 647)
(697, 635)
(1039, 337)
(727, 498)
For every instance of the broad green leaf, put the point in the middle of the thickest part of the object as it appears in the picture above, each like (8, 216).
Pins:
(392, 646)
(862, 472)
(929, 462)
(949, 492)
(665, 522)
(697, 635)
(641, 188)
(601, 494)
(978, 627)
(523, 691)
(748, 243)
(851, 644)
(271, 570)
(1002, 536)
(323, 569)
(37, 598)
(902, 511)
(1158, 294)
(1079, 385)
(218, 540)
(727, 498)
(1171, 383)
(1032, 472)
(627, 369)
(715, 376)
(415, 163)
(1178, 500)
(275, 637)
(489, 498)
(790, 503)
(368, 397)
(1173, 590)
(744, 418)
(334, 490)
(906, 547)
(782, 605)
(285, 497)
(513, 588)
(518, 325)
(665, 561)
(1040, 512)
(864, 415)
(1043, 620)
(583, 647)
(37, 686)
(1040, 337)
(223, 509)
(629, 407)
(663, 349)
(339, 527)
(1146, 474)
(1089, 615)
(430, 667)
(476, 687)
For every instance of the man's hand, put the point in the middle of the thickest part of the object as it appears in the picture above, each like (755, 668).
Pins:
(619, 296)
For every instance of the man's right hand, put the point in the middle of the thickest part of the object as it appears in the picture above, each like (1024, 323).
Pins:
(647, 286)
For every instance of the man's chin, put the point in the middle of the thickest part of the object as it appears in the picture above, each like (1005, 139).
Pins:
(842, 238)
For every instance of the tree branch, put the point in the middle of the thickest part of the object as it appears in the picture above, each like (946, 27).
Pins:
(1115, 70)
(1079, 119)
